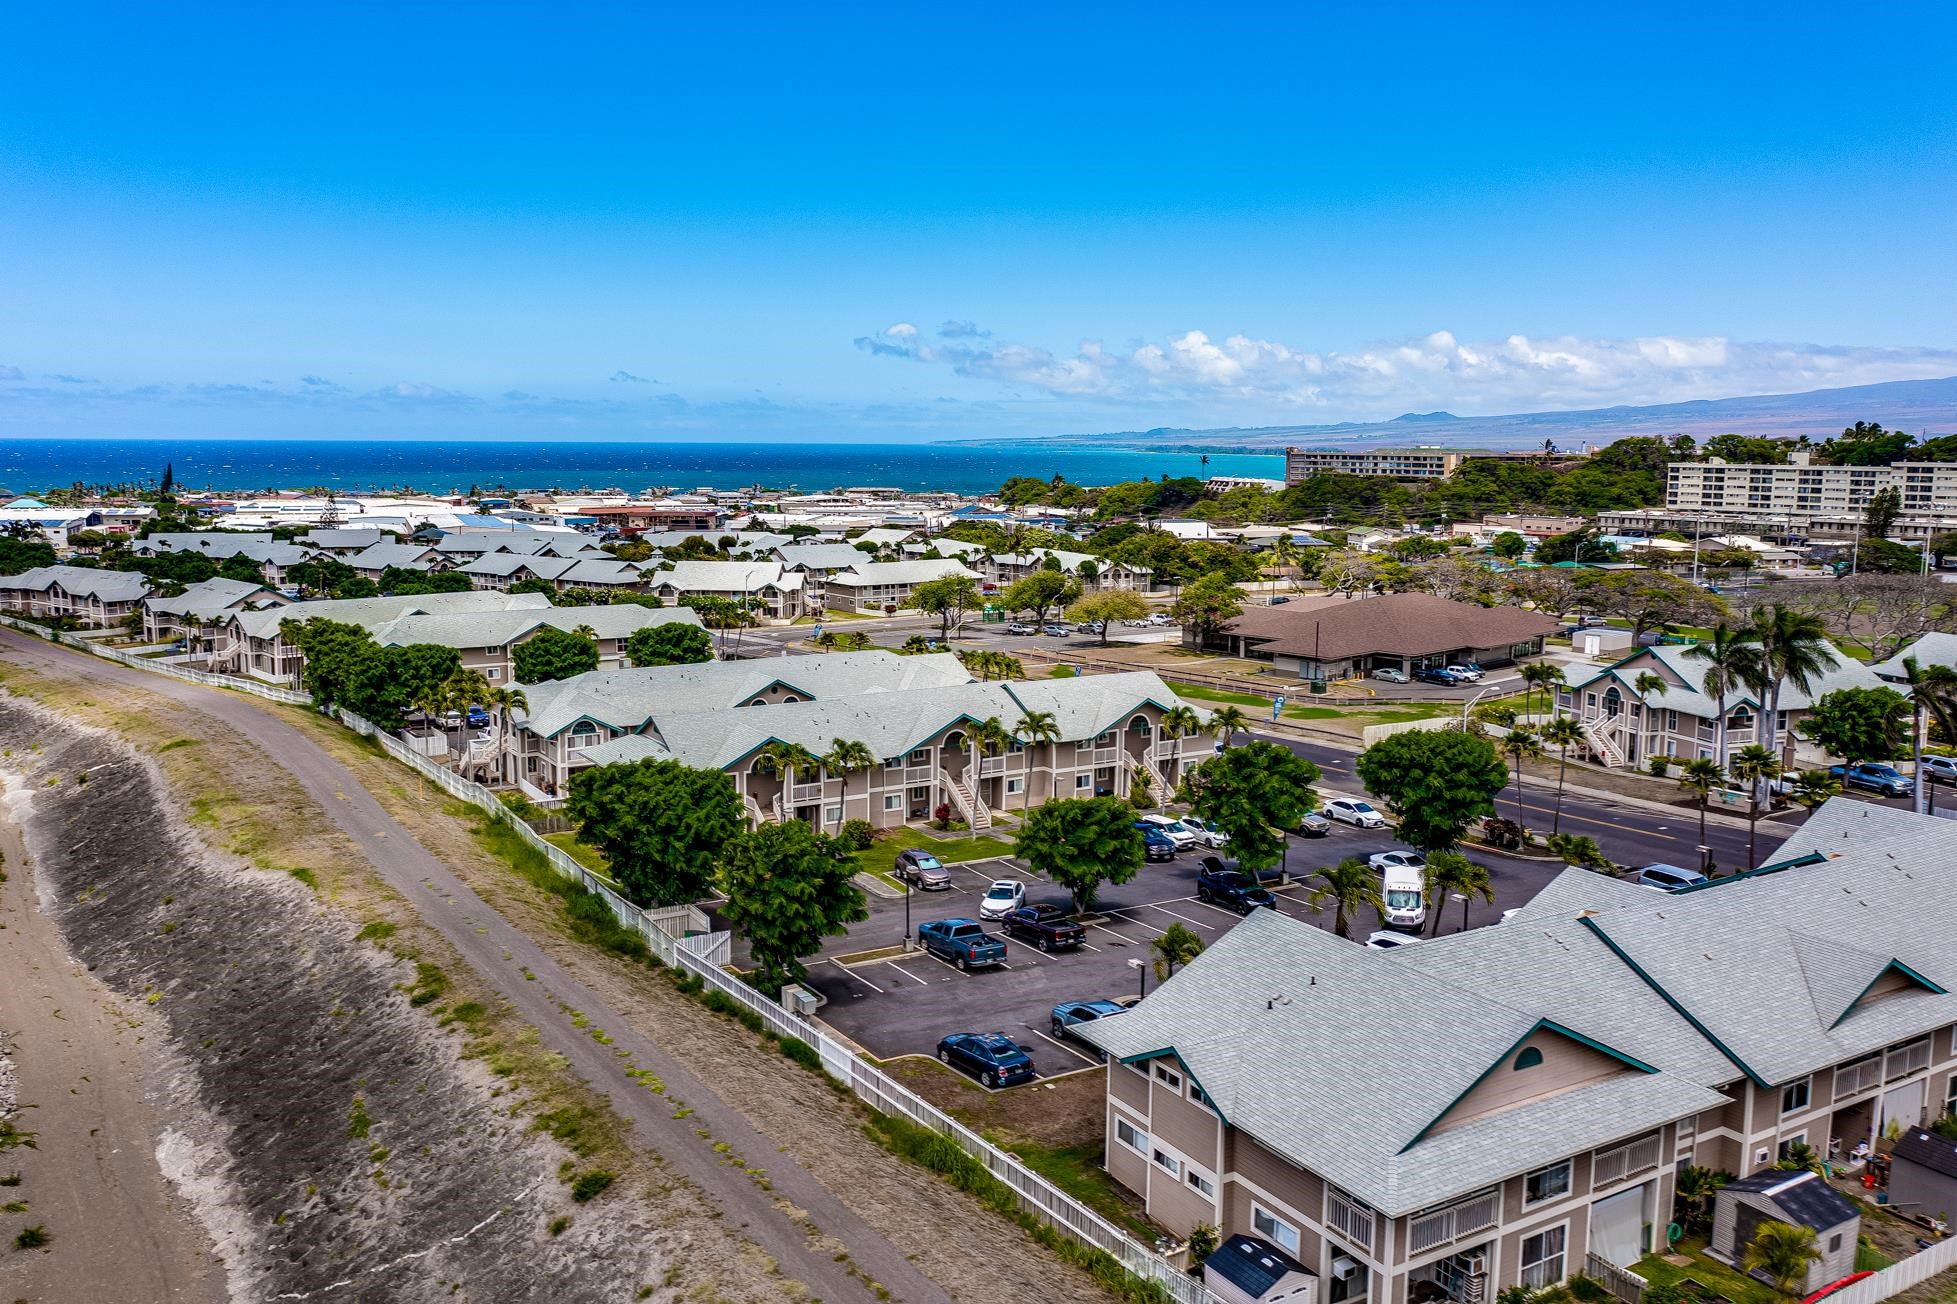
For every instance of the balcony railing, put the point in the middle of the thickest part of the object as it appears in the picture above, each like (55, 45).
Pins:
(1350, 1219)
(1444, 1226)
(1851, 1078)
(1620, 1162)
(1905, 1060)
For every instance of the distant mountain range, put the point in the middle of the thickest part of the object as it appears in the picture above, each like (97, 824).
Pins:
(1917, 406)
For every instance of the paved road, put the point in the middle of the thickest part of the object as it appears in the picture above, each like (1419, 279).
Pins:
(499, 953)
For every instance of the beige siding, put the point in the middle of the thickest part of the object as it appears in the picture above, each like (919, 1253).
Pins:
(1129, 1086)
(1566, 1064)
(1575, 1243)
(1721, 1154)
(1514, 1189)
(1237, 1200)
(1184, 1124)
(1286, 1182)
(1124, 1165)
(1176, 1204)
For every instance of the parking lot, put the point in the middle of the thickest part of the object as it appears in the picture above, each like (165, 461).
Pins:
(901, 1004)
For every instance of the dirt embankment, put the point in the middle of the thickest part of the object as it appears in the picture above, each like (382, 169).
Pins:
(331, 1139)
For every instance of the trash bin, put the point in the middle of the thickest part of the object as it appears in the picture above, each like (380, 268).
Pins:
(1318, 687)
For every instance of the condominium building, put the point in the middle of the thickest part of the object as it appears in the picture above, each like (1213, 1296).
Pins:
(1804, 487)
(1398, 463)
(1508, 1106)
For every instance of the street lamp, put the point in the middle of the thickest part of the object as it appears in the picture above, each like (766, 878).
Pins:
(1462, 897)
(907, 913)
(1141, 976)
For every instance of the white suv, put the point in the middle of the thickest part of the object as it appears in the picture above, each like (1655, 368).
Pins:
(1176, 831)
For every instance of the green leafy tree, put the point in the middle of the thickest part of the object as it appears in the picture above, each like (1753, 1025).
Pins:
(1039, 593)
(1508, 545)
(1880, 512)
(787, 888)
(661, 825)
(1781, 1252)
(1351, 886)
(1110, 607)
(1859, 724)
(1438, 783)
(1176, 947)
(1206, 604)
(1081, 843)
(1562, 733)
(671, 644)
(948, 599)
(1253, 793)
(1794, 649)
(1450, 873)
(241, 568)
(553, 653)
(404, 582)
(17, 555)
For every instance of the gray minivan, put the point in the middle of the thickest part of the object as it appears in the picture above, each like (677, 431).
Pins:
(1669, 878)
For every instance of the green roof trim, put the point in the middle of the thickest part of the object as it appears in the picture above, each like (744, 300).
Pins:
(1618, 951)
(1541, 1025)
(1894, 966)
(1811, 858)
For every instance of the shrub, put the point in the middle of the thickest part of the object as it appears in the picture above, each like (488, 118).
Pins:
(1138, 792)
(1499, 714)
(1202, 1244)
(1658, 766)
(32, 1238)
(557, 1225)
(942, 815)
(1576, 849)
(855, 835)
(802, 1053)
(1587, 1289)
(591, 1185)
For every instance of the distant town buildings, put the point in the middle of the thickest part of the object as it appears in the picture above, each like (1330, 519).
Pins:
(1396, 463)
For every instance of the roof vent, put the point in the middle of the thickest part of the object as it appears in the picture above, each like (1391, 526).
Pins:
(1275, 1002)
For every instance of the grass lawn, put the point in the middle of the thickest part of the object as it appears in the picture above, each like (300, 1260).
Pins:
(1199, 693)
(877, 860)
(1717, 1277)
(1077, 1171)
(1060, 672)
(584, 853)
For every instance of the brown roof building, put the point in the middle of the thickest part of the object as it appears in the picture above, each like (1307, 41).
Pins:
(1337, 638)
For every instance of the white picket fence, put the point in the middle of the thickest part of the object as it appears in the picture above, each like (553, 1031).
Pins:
(682, 936)
(1899, 1277)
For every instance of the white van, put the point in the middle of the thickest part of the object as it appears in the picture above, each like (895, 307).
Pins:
(1405, 893)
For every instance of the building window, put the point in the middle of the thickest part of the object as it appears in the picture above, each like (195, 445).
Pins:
(1168, 1163)
(1794, 1096)
(1015, 785)
(1671, 721)
(1201, 1183)
(1546, 1183)
(833, 815)
(1542, 1258)
(920, 756)
(893, 801)
(1787, 1144)
(1529, 1058)
(1834, 1243)
(1082, 781)
(1169, 1078)
(1131, 1136)
(1274, 1229)
(492, 674)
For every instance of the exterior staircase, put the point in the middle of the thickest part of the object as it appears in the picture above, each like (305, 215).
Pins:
(1600, 736)
(755, 818)
(967, 801)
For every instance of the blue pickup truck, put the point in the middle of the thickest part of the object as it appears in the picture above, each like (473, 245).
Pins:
(963, 942)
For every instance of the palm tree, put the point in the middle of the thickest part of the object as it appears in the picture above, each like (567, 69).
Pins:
(1732, 664)
(1179, 722)
(1036, 728)
(989, 738)
(845, 757)
(1695, 1189)
(1449, 872)
(1781, 1252)
(1753, 765)
(1562, 733)
(786, 760)
(1794, 649)
(1932, 695)
(1810, 788)
(1543, 675)
(1701, 775)
(1350, 886)
(1286, 552)
(1647, 683)
(1226, 722)
(1174, 949)
(1520, 745)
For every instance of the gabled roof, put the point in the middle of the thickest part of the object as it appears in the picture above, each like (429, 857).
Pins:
(1802, 1198)
(215, 543)
(1928, 1150)
(352, 538)
(719, 576)
(472, 629)
(212, 597)
(866, 573)
(821, 556)
(1397, 624)
(405, 556)
(1251, 1265)
(1086, 706)
(82, 581)
(509, 563)
(1674, 662)
(1933, 649)
(370, 612)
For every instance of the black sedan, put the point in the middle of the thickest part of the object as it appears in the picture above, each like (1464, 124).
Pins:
(991, 1057)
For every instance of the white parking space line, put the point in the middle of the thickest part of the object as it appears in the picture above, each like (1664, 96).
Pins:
(1063, 1046)
(922, 982)
(1170, 913)
(1090, 946)
(859, 978)
(1207, 906)
(1110, 932)
(962, 973)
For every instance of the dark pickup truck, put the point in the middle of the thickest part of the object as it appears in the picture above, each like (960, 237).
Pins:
(1230, 889)
(1049, 928)
(963, 942)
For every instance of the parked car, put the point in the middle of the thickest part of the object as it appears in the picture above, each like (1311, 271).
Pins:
(1157, 618)
(1069, 1015)
(1885, 779)
(1669, 878)
(1381, 861)
(478, 718)
(1436, 675)
(1207, 834)
(1156, 845)
(1353, 811)
(1093, 627)
(1386, 939)
(992, 1057)
(964, 942)
(1466, 670)
(1231, 889)
(1176, 831)
(1047, 927)
(1939, 769)
(1314, 825)
(1002, 898)
(1279, 600)
(451, 719)
(1388, 675)
(1018, 627)
(923, 869)
(1055, 631)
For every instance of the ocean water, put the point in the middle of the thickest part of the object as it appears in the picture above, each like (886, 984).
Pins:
(31, 465)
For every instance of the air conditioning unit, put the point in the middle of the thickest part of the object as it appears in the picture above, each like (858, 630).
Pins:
(1476, 1265)
(1343, 1268)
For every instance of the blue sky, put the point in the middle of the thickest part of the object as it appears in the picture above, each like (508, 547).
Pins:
(281, 221)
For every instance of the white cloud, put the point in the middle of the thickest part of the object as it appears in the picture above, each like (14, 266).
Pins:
(1436, 370)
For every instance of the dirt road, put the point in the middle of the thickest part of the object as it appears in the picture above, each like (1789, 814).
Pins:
(794, 1217)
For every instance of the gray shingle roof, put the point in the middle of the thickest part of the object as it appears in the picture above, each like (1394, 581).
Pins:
(472, 629)
(720, 576)
(370, 612)
(83, 581)
(1928, 1150)
(1933, 649)
(215, 543)
(1686, 677)
(1803, 1198)
(406, 556)
(821, 556)
(509, 563)
(212, 597)
(867, 574)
